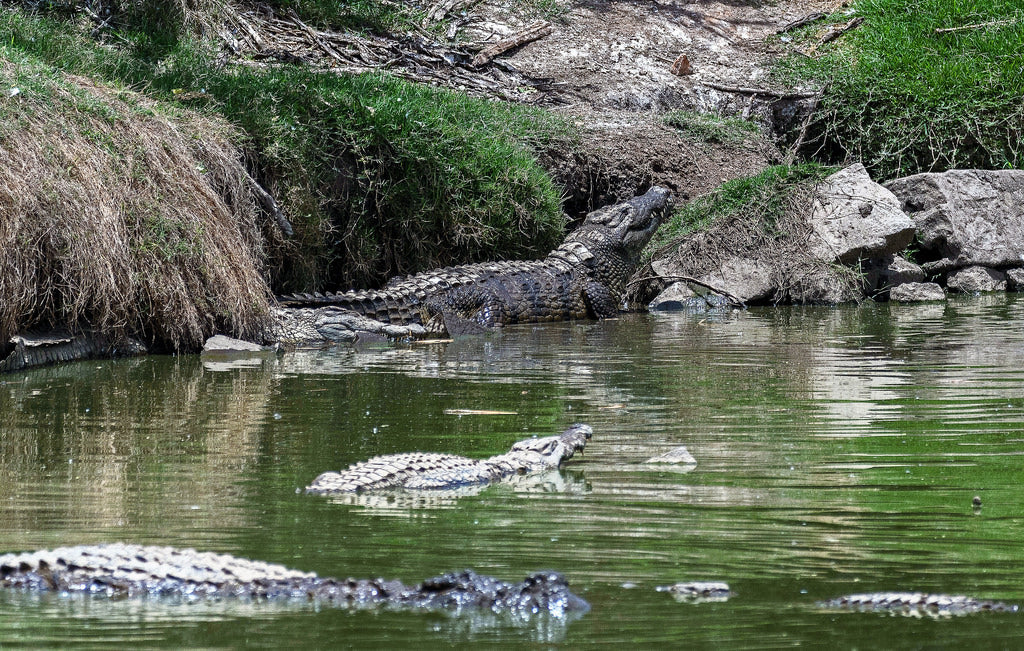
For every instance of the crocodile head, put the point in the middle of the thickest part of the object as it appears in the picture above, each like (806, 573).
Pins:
(556, 449)
(609, 242)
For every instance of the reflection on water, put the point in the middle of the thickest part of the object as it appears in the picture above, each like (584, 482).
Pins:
(837, 451)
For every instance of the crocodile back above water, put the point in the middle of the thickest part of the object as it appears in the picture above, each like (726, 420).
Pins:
(125, 570)
(428, 470)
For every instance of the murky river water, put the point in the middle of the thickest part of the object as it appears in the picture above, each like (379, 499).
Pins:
(838, 451)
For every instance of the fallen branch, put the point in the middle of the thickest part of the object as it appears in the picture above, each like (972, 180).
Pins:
(268, 203)
(440, 10)
(992, 23)
(800, 22)
(795, 149)
(530, 33)
(740, 90)
(315, 38)
(733, 299)
(836, 32)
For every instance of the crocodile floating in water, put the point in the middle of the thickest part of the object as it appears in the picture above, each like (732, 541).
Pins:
(124, 570)
(585, 277)
(916, 602)
(429, 470)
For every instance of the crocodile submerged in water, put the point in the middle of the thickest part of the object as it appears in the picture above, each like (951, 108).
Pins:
(124, 570)
(912, 603)
(585, 277)
(429, 470)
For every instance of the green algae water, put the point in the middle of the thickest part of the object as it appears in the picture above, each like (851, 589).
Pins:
(838, 451)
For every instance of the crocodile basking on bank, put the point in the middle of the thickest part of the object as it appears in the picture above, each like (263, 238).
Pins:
(123, 570)
(585, 277)
(429, 470)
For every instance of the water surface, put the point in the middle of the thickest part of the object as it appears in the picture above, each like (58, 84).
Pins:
(838, 451)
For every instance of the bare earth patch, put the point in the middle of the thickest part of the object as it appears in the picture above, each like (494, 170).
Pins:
(617, 67)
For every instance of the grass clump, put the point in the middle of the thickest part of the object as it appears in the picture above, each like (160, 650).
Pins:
(712, 128)
(904, 98)
(762, 199)
(114, 217)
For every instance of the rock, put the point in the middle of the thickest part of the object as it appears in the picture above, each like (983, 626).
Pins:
(824, 286)
(678, 297)
(853, 218)
(748, 280)
(967, 217)
(914, 292)
(1015, 280)
(224, 344)
(889, 271)
(976, 279)
(675, 456)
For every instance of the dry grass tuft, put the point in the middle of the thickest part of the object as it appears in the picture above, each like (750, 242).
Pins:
(117, 217)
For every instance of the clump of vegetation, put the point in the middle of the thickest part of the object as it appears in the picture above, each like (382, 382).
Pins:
(763, 220)
(923, 86)
(712, 128)
(762, 199)
(378, 176)
(122, 215)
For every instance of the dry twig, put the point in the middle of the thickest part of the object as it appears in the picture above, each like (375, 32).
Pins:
(530, 33)
(836, 32)
(991, 23)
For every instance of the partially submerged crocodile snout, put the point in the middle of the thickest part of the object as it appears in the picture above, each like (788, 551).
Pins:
(558, 449)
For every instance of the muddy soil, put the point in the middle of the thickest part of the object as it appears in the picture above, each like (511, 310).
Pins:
(618, 67)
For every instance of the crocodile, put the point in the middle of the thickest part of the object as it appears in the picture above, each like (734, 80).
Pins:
(585, 277)
(127, 570)
(430, 470)
(916, 603)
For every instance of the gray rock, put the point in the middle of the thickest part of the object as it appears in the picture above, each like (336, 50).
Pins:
(675, 456)
(749, 280)
(853, 217)
(1015, 280)
(224, 344)
(915, 292)
(969, 217)
(889, 271)
(825, 286)
(678, 297)
(976, 279)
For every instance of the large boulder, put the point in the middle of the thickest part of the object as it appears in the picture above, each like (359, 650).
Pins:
(889, 271)
(914, 292)
(976, 279)
(967, 217)
(1015, 279)
(854, 218)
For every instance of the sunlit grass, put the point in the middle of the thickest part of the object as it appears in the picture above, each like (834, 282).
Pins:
(904, 98)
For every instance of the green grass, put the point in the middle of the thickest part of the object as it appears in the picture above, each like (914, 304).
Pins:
(905, 99)
(712, 128)
(379, 176)
(765, 195)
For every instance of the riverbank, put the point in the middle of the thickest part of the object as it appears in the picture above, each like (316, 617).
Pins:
(344, 176)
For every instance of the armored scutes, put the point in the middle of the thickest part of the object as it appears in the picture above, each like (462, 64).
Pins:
(585, 277)
(916, 603)
(427, 470)
(123, 570)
